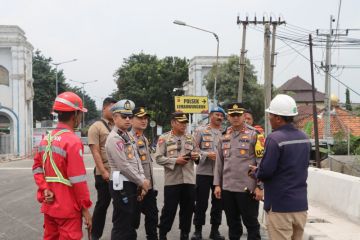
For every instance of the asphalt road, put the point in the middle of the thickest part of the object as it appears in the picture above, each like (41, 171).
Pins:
(20, 216)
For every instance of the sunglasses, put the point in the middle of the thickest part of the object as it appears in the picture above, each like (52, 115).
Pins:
(125, 116)
(235, 114)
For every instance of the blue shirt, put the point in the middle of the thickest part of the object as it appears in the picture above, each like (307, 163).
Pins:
(284, 170)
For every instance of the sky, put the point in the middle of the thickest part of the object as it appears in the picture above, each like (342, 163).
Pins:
(101, 33)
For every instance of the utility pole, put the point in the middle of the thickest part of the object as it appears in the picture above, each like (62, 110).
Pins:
(267, 74)
(269, 59)
(316, 129)
(272, 54)
(242, 62)
(327, 67)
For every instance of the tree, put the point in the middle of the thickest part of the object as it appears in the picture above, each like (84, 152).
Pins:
(227, 86)
(44, 86)
(45, 90)
(89, 103)
(348, 103)
(149, 81)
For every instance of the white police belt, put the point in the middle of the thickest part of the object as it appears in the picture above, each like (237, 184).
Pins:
(118, 180)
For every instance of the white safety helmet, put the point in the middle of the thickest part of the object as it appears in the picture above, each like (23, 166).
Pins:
(283, 105)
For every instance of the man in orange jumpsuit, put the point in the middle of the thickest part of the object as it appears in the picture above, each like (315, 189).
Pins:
(60, 174)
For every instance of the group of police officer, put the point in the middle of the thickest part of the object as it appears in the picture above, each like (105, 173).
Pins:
(222, 159)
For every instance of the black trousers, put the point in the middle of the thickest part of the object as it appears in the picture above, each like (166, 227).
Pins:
(125, 218)
(204, 184)
(101, 206)
(174, 195)
(148, 207)
(241, 206)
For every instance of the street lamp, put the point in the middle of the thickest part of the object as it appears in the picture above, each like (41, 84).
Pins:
(181, 23)
(83, 94)
(56, 76)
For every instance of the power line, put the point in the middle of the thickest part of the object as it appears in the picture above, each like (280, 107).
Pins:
(322, 69)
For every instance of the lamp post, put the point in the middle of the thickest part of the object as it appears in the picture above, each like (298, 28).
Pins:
(56, 75)
(181, 23)
(83, 94)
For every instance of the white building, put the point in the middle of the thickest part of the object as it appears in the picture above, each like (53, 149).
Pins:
(16, 92)
(199, 67)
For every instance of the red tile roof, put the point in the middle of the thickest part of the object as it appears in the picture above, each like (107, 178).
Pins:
(340, 121)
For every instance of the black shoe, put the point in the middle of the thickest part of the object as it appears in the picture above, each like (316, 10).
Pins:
(162, 237)
(197, 235)
(215, 235)
(184, 236)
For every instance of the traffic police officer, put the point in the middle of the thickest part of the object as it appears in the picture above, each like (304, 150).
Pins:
(127, 174)
(175, 151)
(148, 206)
(236, 151)
(207, 139)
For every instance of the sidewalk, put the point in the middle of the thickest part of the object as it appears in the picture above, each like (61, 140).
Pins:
(325, 224)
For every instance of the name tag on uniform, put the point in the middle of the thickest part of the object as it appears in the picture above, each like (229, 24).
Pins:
(118, 180)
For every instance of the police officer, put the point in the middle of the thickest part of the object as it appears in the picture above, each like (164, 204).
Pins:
(148, 206)
(175, 151)
(249, 120)
(236, 151)
(127, 174)
(207, 139)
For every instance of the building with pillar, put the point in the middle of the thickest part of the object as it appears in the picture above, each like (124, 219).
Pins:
(16, 92)
(199, 67)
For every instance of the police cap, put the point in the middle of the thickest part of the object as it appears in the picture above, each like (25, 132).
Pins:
(140, 112)
(235, 108)
(180, 117)
(123, 106)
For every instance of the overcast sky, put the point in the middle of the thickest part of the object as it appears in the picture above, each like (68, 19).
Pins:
(100, 33)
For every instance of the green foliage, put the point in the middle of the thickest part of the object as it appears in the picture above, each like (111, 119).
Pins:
(348, 103)
(356, 111)
(89, 103)
(149, 81)
(341, 145)
(45, 90)
(308, 128)
(227, 87)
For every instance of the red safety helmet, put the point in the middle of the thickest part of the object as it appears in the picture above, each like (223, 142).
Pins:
(68, 102)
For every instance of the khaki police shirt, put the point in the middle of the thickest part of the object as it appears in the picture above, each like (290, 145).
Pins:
(97, 135)
(143, 150)
(168, 148)
(236, 151)
(207, 140)
(123, 157)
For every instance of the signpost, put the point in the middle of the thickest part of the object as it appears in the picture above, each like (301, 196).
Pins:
(152, 125)
(191, 104)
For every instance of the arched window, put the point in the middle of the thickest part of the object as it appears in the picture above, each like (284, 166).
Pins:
(4, 76)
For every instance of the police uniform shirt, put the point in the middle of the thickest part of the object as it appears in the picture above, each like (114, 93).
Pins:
(123, 157)
(168, 148)
(97, 135)
(236, 151)
(207, 140)
(142, 145)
